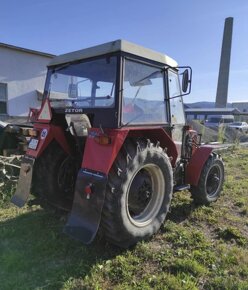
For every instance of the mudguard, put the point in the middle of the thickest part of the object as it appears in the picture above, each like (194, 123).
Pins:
(196, 163)
(86, 211)
(24, 183)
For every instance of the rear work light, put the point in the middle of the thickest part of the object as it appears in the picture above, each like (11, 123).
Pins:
(103, 140)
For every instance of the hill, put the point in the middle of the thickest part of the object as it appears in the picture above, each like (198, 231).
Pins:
(203, 105)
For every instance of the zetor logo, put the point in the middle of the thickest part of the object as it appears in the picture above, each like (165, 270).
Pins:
(73, 110)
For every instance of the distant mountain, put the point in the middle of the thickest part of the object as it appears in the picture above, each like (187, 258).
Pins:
(204, 105)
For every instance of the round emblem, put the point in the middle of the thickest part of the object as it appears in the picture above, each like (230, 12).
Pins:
(43, 134)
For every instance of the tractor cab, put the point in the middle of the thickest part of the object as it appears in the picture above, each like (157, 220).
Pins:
(117, 85)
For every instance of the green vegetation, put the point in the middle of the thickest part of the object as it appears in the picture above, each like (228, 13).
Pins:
(221, 134)
(197, 248)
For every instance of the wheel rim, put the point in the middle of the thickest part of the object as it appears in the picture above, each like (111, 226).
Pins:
(213, 181)
(145, 195)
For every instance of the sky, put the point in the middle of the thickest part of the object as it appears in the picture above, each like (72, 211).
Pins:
(189, 31)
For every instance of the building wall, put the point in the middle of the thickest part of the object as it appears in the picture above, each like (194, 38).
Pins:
(24, 73)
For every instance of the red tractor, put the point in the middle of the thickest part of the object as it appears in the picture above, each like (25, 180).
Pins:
(110, 144)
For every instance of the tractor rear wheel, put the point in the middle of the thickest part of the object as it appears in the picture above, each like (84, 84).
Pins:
(210, 182)
(138, 193)
(54, 177)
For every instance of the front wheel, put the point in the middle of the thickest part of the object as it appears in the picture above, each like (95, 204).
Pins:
(138, 193)
(211, 181)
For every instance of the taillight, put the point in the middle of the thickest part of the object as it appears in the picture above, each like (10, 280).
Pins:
(103, 140)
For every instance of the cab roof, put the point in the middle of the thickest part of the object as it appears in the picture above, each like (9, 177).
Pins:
(110, 47)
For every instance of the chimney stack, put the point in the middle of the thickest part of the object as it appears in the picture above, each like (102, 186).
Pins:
(222, 88)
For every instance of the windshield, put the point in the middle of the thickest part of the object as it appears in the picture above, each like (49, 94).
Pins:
(86, 84)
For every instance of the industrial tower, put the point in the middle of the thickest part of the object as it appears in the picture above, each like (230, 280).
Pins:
(222, 88)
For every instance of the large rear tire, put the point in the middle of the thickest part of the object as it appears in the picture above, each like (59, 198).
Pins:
(54, 177)
(210, 183)
(138, 193)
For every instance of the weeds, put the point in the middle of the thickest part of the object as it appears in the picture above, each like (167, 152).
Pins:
(232, 234)
(221, 134)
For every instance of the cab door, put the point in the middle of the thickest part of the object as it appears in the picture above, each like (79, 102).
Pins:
(177, 115)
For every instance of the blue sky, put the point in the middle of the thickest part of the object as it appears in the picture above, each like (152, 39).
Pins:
(189, 31)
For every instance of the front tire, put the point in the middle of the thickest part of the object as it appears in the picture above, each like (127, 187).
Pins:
(210, 183)
(138, 193)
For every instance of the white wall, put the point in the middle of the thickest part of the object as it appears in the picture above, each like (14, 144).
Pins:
(24, 73)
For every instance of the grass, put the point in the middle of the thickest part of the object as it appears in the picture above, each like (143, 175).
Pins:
(196, 248)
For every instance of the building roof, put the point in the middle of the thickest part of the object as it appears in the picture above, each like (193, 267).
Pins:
(212, 111)
(114, 46)
(240, 102)
(5, 45)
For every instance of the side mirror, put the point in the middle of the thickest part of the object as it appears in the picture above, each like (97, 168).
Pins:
(185, 81)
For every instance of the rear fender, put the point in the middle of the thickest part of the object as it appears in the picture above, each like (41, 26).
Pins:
(48, 133)
(158, 134)
(98, 159)
(196, 163)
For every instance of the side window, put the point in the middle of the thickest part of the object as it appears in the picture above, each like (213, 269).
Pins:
(84, 87)
(105, 93)
(104, 89)
(143, 94)
(3, 98)
(176, 103)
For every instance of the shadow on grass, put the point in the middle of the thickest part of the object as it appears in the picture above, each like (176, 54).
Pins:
(180, 212)
(35, 254)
